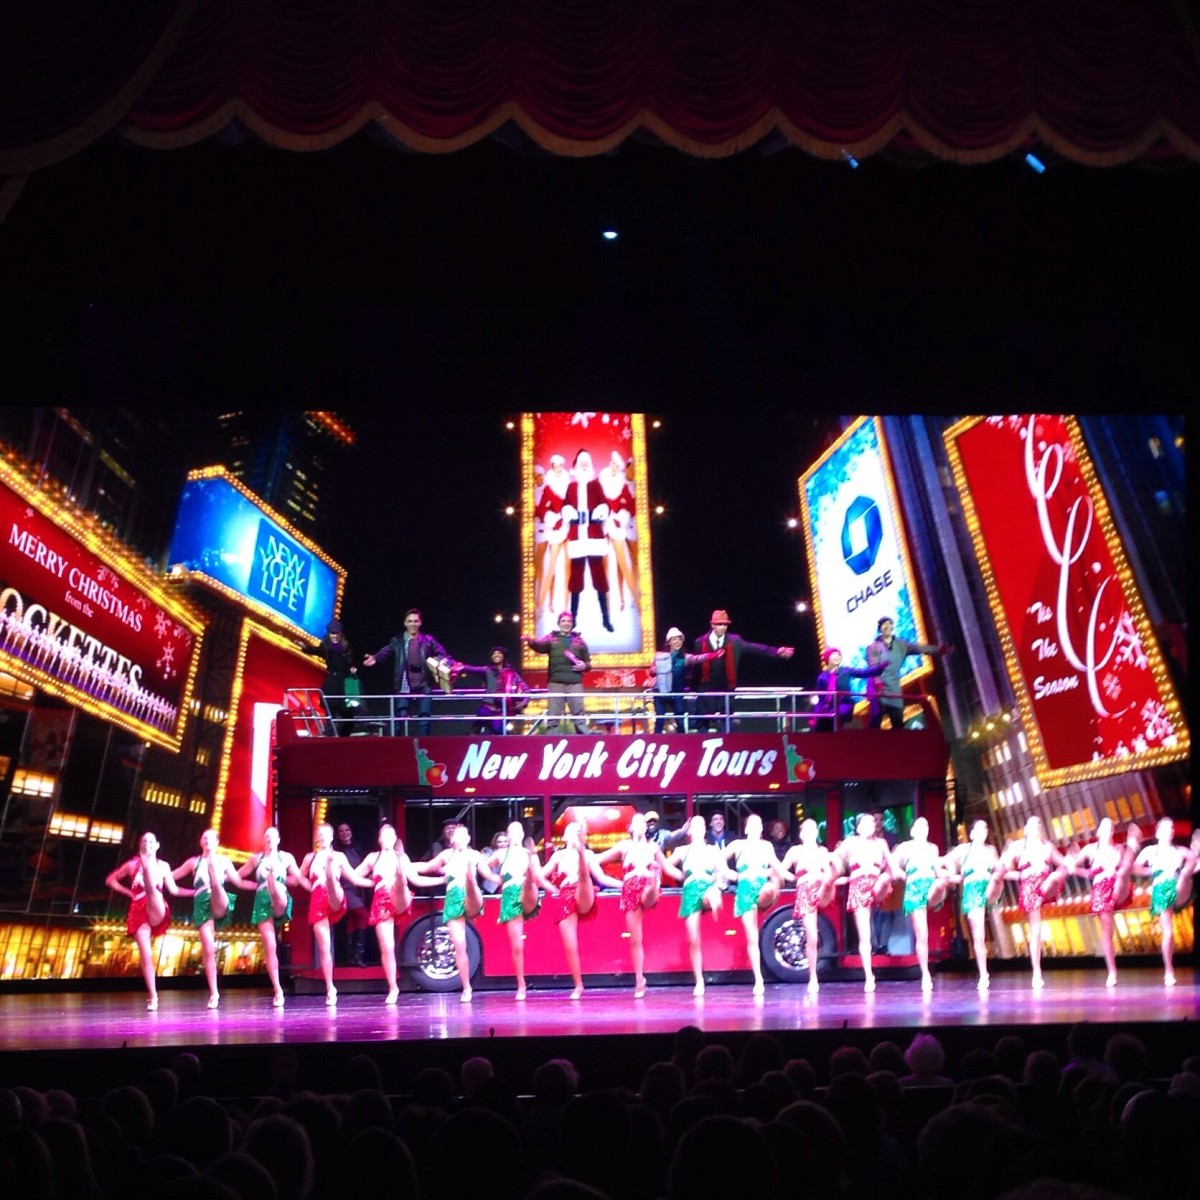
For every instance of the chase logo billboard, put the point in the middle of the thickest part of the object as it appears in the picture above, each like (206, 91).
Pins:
(862, 535)
(857, 558)
(225, 537)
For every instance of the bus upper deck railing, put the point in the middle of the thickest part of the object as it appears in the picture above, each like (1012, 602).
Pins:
(456, 713)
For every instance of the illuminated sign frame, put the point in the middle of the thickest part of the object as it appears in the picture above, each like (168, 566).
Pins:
(250, 628)
(1075, 451)
(641, 517)
(51, 501)
(902, 601)
(264, 611)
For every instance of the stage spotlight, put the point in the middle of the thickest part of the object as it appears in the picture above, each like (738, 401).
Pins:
(792, 522)
(509, 510)
(1036, 163)
(609, 235)
(802, 606)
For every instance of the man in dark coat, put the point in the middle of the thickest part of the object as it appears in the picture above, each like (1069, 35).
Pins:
(720, 674)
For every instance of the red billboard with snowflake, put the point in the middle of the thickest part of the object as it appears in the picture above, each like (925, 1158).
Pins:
(82, 620)
(1091, 685)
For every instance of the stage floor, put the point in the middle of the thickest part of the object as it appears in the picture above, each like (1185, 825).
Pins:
(90, 1021)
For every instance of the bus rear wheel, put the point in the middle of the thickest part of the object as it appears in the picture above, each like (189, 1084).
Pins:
(427, 955)
(785, 951)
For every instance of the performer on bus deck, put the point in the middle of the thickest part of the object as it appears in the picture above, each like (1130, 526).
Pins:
(812, 867)
(507, 693)
(836, 701)
(642, 864)
(862, 860)
(388, 872)
(462, 865)
(758, 880)
(212, 905)
(721, 654)
(569, 657)
(271, 871)
(1039, 869)
(970, 865)
(417, 659)
(149, 913)
(890, 651)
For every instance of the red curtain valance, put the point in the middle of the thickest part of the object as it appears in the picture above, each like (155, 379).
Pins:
(1100, 81)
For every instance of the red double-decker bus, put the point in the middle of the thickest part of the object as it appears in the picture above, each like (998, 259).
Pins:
(771, 763)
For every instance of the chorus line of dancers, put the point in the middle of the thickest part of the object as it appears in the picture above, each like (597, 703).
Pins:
(862, 863)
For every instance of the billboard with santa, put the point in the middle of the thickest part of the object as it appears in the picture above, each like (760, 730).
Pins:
(585, 532)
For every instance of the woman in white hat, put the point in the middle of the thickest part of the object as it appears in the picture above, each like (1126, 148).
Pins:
(670, 680)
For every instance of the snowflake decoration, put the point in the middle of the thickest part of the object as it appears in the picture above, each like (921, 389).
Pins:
(142, 602)
(582, 419)
(1111, 686)
(160, 625)
(166, 662)
(1140, 745)
(1157, 724)
(1129, 644)
(103, 574)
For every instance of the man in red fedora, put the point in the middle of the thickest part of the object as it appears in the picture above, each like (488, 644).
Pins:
(720, 674)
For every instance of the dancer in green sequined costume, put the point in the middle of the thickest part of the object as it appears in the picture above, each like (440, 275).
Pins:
(917, 860)
(970, 865)
(520, 876)
(461, 865)
(270, 872)
(701, 868)
(758, 876)
(1168, 866)
(212, 905)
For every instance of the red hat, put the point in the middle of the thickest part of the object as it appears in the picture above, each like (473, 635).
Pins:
(720, 617)
(830, 651)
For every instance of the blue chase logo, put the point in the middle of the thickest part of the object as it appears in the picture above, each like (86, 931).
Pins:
(862, 535)
(280, 572)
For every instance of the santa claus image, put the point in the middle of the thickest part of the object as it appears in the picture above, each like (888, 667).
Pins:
(586, 510)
